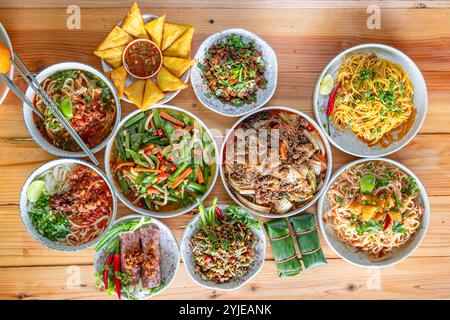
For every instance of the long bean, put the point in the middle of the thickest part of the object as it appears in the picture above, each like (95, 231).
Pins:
(134, 119)
(177, 172)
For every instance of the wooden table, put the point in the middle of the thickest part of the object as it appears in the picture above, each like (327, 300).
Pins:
(305, 37)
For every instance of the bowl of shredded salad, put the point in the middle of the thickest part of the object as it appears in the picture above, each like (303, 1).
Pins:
(223, 247)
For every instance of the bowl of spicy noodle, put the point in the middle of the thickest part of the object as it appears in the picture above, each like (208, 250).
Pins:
(371, 100)
(374, 212)
(67, 204)
(86, 98)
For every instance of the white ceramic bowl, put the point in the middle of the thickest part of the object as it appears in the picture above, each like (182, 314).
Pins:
(28, 113)
(145, 211)
(4, 39)
(262, 97)
(29, 224)
(347, 141)
(317, 195)
(170, 254)
(188, 258)
(347, 252)
(167, 95)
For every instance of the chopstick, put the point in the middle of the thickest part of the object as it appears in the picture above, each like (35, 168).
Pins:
(34, 84)
(20, 95)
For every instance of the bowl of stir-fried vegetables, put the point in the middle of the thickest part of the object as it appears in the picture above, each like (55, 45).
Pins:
(223, 247)
(236, 72)
(162, 161)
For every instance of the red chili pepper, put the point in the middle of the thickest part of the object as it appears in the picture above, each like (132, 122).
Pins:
(206, 258)
(159, 156)
(232, 260)
(160, 132)
(117, 269)
(387, 222)
(106, 271)
(219, 214)
(163, 167)
(330, 106)
(172, 168)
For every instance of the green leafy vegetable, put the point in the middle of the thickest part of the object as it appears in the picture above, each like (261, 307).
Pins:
(52, 225)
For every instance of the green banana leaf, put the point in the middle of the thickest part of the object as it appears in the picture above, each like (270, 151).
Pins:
(308, 240)
(283, 248)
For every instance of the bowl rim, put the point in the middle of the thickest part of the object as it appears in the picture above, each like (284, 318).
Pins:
(149, 213)
(402, 142)
(199, 53)
(424, 223)
(39, 138)
(327, 175)
(24, 212)
(185, 238)
(10, 73)
(158, 223)
(128, 47)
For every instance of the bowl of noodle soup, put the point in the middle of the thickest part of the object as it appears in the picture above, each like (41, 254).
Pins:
(67, 204)
(87, 99)
(374, 212)
(379, 100)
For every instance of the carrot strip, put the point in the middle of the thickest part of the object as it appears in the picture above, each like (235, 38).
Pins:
(200, 176)
(283, 150)
(152, 190)
(171, 119)
(181, 177)
(124, 164)
(149, 147)
(146, 170)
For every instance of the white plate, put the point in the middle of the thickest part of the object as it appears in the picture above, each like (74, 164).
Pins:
(170, 255)
(262, 96)
(4, 39)
(347, 141)
(167, 95)
(188, 258)
(348, 252)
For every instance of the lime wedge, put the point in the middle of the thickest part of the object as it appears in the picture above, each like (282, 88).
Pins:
(66, 108)
(35, 190)
(326, 85)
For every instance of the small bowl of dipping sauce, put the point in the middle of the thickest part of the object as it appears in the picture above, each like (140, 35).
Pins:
(142, 58)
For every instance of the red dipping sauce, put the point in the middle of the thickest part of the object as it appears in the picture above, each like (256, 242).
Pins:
(142, 58)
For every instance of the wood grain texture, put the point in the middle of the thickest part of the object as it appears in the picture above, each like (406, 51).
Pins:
(252, 4)
(305, 39)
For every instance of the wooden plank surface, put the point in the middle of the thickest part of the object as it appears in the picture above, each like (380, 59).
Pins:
(305, 37)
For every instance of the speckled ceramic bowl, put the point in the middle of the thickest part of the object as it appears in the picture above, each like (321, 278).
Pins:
(362, 259)
(26, 218)
(28, 113)
(167, 95)
(188, 258)
(347, 141)
(263, 96)
(306, 205)
(144, 211)
(170, 255)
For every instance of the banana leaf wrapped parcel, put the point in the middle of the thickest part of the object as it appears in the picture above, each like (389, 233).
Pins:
(308, 241)
(283, 247)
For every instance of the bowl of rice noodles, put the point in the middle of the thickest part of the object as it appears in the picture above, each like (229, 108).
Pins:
(374, 212)
(67, 204)
(86, 98)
